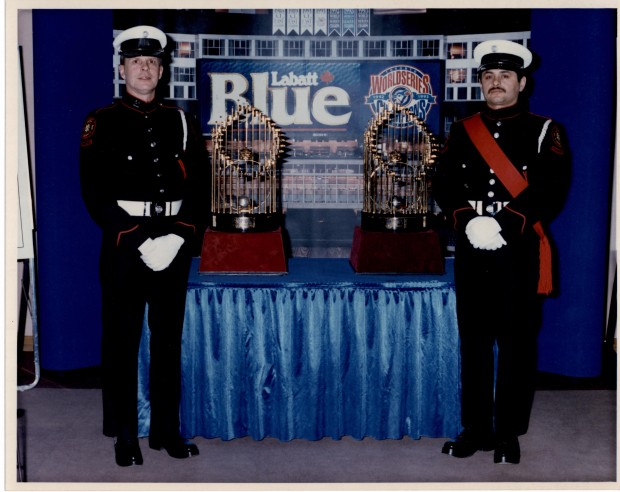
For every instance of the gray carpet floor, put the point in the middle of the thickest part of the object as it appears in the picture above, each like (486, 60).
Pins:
(572, 439)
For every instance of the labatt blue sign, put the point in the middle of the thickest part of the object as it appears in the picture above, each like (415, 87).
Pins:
(331, 101)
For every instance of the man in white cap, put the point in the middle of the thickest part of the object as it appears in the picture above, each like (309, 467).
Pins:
(141, 168)
(501, 178)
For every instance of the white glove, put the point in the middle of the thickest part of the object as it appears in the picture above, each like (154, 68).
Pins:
(146, 248)
(497, 242)
(158, 253)
(483, 233)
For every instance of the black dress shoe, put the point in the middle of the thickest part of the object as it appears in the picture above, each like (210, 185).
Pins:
(177, 447)
(507, 450)
(127, 452)
(468, 442)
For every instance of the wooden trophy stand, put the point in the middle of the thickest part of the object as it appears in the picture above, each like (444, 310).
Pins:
(243, 253)
(396, 252)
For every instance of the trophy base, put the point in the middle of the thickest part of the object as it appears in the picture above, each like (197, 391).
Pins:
(245, 222)
(236, 254)
(402, 252)
(394, 223)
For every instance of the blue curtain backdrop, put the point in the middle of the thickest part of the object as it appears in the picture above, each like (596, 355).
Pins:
(72, 75)
(575, 84)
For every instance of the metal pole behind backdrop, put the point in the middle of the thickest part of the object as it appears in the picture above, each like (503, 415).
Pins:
(26, 225)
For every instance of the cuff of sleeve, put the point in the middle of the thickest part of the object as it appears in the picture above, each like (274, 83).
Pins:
(512, 222)
(462, 217)
(132, 238)
(184, 230)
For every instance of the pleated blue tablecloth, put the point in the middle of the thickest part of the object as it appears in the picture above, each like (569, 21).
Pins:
(321, 351)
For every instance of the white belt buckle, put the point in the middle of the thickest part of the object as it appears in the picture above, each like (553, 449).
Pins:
(145, 209)
(495, 207)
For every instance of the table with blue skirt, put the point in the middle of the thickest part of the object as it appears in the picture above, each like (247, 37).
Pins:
(318, 352)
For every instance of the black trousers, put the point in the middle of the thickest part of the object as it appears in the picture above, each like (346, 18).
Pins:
(128, 285)
(498, 309)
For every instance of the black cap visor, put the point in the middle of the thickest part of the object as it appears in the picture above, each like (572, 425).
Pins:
(141, 47)
(502, 61)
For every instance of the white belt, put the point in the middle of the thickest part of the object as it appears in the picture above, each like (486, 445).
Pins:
(148, 209)
(490, 207)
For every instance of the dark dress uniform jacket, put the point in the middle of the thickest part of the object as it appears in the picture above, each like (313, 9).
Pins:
(142, 152)
(497, 298)
(139, 151)
(536, 147)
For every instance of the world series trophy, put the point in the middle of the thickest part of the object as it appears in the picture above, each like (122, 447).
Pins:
(395, 237)
(246, 150)
(245, 235)
(398, 151)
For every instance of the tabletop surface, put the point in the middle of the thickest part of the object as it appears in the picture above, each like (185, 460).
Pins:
(323, 272)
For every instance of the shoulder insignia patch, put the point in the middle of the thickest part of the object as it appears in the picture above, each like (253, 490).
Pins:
(88, 131)
(556, 141)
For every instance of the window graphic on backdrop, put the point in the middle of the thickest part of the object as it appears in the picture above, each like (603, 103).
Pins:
(323, 109)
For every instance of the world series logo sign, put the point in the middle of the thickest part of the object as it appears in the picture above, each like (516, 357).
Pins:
(404, 86)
